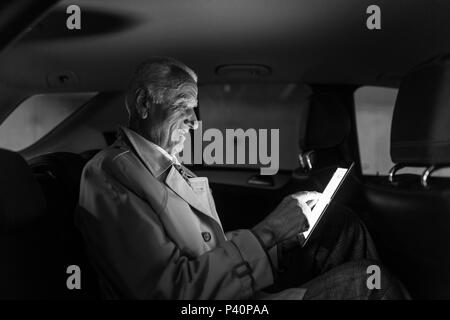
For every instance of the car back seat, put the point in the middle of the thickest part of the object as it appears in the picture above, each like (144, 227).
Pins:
(59, 175)
(323, 143)
(38, 240)
(29, 245)
(409, 215)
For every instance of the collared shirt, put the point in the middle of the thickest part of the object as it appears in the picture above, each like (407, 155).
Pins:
(155, 158)
(172, 158)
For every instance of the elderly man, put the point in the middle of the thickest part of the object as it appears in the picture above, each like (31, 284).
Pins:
(152, 229)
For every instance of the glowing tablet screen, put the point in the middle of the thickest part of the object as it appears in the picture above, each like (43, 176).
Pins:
(320, 207)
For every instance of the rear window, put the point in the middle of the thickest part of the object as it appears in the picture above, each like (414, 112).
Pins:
(259, 110)
(37, 116)
(374, 110)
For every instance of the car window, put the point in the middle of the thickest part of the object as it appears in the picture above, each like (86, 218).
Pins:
(374, 110)
(37, 116)
(258, 108)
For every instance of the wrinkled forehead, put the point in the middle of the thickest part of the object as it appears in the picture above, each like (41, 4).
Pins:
(187, 95)
(184, 95)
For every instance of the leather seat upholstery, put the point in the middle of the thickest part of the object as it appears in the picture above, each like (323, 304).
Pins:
(410, 222)
(26, 244)
(59, 175)
(420, 126)
(328, 126)
(38, 240)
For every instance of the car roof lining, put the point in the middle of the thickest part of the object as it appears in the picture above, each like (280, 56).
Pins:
(300, 41)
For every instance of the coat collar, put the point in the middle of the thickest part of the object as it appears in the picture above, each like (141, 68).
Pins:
(155, 160)
(158, 162)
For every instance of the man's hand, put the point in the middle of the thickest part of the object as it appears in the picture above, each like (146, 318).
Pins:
(288, 219)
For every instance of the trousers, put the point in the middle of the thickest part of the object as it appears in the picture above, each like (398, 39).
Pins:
(338, 262)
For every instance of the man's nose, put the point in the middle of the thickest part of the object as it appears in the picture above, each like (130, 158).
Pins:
(192, 122)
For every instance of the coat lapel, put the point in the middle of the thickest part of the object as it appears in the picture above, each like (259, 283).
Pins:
(177, 183)
(157, 164)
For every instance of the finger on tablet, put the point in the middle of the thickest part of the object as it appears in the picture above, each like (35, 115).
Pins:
(305, 209)
(307, 196)
(312, 203)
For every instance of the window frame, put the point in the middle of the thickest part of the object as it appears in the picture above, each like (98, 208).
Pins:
(67, 120)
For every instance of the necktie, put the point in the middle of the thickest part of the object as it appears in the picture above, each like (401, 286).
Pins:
(183, 172)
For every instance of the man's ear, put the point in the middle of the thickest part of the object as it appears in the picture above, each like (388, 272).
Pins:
(142, 103)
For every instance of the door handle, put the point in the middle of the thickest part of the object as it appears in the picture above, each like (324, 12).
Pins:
(260, 180)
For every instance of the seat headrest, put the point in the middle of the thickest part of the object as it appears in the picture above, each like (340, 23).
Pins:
(65, 168)
(420, 133)
(328, 121)
(21, 197)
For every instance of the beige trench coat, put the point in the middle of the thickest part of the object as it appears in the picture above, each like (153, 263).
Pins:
(151, 237)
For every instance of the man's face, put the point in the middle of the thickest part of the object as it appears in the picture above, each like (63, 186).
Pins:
(179, 128)
(169, 124)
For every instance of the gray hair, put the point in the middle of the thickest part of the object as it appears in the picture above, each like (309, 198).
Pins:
(163, 81)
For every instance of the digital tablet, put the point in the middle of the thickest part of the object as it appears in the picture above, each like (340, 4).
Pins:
(321, 206)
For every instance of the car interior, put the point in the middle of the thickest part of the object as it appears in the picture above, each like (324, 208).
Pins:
(294, 66)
